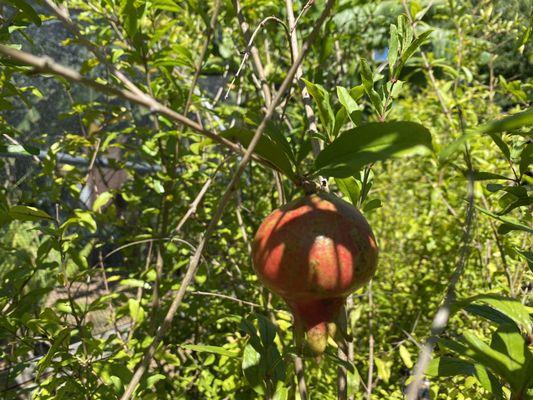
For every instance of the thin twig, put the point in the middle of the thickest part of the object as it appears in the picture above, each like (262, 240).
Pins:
(249, 46)
(199, 197)
(195, 259)
(61, 12)
(300, 375)
(16, 143)
(304, 9)
(203, 52)
(369, 381)
(256, 59)
(224, 296)
(309, 113)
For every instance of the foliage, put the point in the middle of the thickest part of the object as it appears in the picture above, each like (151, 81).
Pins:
(94, 190)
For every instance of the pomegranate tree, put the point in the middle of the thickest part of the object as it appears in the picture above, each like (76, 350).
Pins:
(314, 252)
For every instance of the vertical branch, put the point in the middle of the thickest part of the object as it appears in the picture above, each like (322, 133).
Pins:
(300, 375)
(369, 382)
(256, 59)
(440, 321)
(310, 115)
(203, 52)
(350, 355)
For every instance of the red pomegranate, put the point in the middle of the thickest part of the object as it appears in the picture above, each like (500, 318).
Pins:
(314, 252)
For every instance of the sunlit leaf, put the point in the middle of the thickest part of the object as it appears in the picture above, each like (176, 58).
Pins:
(370, 143)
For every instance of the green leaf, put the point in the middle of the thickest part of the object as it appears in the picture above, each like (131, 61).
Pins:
(129, 14)
(488, 312)
(340, 119)
(510, 123)
(81, 218)
(485, 176)
(450, 366)
(153, 379)
(282, 393)
(510, 307)
(254, 370)
(267, 330)
(371, 205)
(354, 381)
(520, 202)
(102, 200)
(321, 97)
(167, 5)
(509, 223)
(350, 187)
(266, 148)
(527, 256)
(367, 77)
(370, 143)
(501, 363)
(496, 138)
(405, 356)
(526, 158)
(136, 311)
(415, 44)
(27, 213)
(493, 129)
(394, 45)
(452, 148)
(47, 359)
(346, 100)
(210, 349)
(383, 369)
(26, 10)
(509, 340)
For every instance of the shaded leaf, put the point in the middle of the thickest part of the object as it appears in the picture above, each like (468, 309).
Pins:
(27, 213)
(321, 97)
(510, 123)
(26, 10)
(511, 308)
(266, 148)
(449, 367)
(350, 187)
(59, 339)
(509, 223)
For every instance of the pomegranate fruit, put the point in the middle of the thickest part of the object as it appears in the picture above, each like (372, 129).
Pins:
(314, 252)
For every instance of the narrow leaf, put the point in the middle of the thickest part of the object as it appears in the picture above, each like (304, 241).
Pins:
(510, 123)
(210, 349)
(27, 213)
(321, 98)
(511, 308)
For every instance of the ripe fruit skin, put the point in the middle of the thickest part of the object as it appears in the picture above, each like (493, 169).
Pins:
(314, 252)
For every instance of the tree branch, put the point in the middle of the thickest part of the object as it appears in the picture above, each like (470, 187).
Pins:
(440, 321)
(256, 59)
(309, 113)
(203, 52)
(195, 259)
(47, 65)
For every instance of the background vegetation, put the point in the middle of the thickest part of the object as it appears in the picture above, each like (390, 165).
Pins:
(104, 201)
